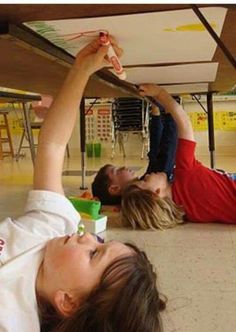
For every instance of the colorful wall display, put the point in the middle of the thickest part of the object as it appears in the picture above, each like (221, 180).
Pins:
(223, 120)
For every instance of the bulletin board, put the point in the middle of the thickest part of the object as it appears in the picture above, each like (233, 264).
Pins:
(98, 124)
(223, 120)
(228, 120)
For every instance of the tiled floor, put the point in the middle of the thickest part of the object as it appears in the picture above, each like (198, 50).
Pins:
(196, 264)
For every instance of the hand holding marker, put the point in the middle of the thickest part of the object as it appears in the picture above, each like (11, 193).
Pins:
(104, 39)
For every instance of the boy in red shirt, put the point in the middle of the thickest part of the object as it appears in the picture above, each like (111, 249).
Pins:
(197, 194)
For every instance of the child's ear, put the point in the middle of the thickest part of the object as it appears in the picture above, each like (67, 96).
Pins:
(114, 189)
(65, 303)
(157, 192)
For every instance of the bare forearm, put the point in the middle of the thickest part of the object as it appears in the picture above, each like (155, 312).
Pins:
(178, 113)
(61, 118)
(56, 132)
(182, 120)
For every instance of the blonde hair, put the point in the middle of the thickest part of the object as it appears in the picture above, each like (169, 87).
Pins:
(144, 209)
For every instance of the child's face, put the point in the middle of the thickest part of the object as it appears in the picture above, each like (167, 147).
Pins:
(120, 176)
(155, 182)
(77, 263)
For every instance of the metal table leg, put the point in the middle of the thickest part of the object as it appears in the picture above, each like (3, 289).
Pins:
(28, 130)
(211, 129)
(82, 143)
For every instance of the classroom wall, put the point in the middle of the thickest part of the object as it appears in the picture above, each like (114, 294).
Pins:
(225, 140)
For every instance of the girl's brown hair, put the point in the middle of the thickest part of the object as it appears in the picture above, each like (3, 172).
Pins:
(144, 209)
(126, 300)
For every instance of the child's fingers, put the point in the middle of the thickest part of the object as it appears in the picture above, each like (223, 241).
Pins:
(142, 93)
(101, 53)
(90, 48)
(148, 89)
(95, 45)
(95, 55)
(142, 90)
(143, 87)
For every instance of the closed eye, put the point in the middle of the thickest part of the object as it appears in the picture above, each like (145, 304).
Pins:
(93, 253)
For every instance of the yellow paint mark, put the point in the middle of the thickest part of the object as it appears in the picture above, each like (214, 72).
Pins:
(190, 27)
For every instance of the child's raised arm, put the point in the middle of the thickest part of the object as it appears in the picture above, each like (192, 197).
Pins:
(60, 120)
(182, 120)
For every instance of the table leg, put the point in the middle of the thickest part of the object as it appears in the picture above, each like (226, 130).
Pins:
(28, 130)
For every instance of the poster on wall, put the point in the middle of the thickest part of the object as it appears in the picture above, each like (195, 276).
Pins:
(228, 120)
(223, 120)
(98, 124)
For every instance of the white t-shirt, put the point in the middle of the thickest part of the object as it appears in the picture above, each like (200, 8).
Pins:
(22, 242)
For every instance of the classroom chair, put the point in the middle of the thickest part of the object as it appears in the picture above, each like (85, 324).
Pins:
(5, 139)
(38, 112)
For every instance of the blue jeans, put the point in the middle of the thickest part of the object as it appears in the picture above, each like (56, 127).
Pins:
(163, 143)
(232, 176)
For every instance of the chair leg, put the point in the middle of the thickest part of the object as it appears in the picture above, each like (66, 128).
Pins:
(20, 145)
(9, 135)
(121, 143)
(113, 145)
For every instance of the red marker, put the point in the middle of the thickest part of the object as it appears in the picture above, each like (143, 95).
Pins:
(104, 39)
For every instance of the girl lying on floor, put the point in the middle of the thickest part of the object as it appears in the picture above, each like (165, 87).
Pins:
(51, 278)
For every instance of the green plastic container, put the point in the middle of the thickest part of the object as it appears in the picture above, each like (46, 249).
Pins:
(97, 149)
(87, 206)
(89, 150)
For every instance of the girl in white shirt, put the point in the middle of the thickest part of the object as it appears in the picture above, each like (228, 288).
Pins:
(51, 278)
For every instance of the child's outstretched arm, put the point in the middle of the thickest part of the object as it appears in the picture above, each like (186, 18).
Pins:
(60, 120)
(181, 118)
